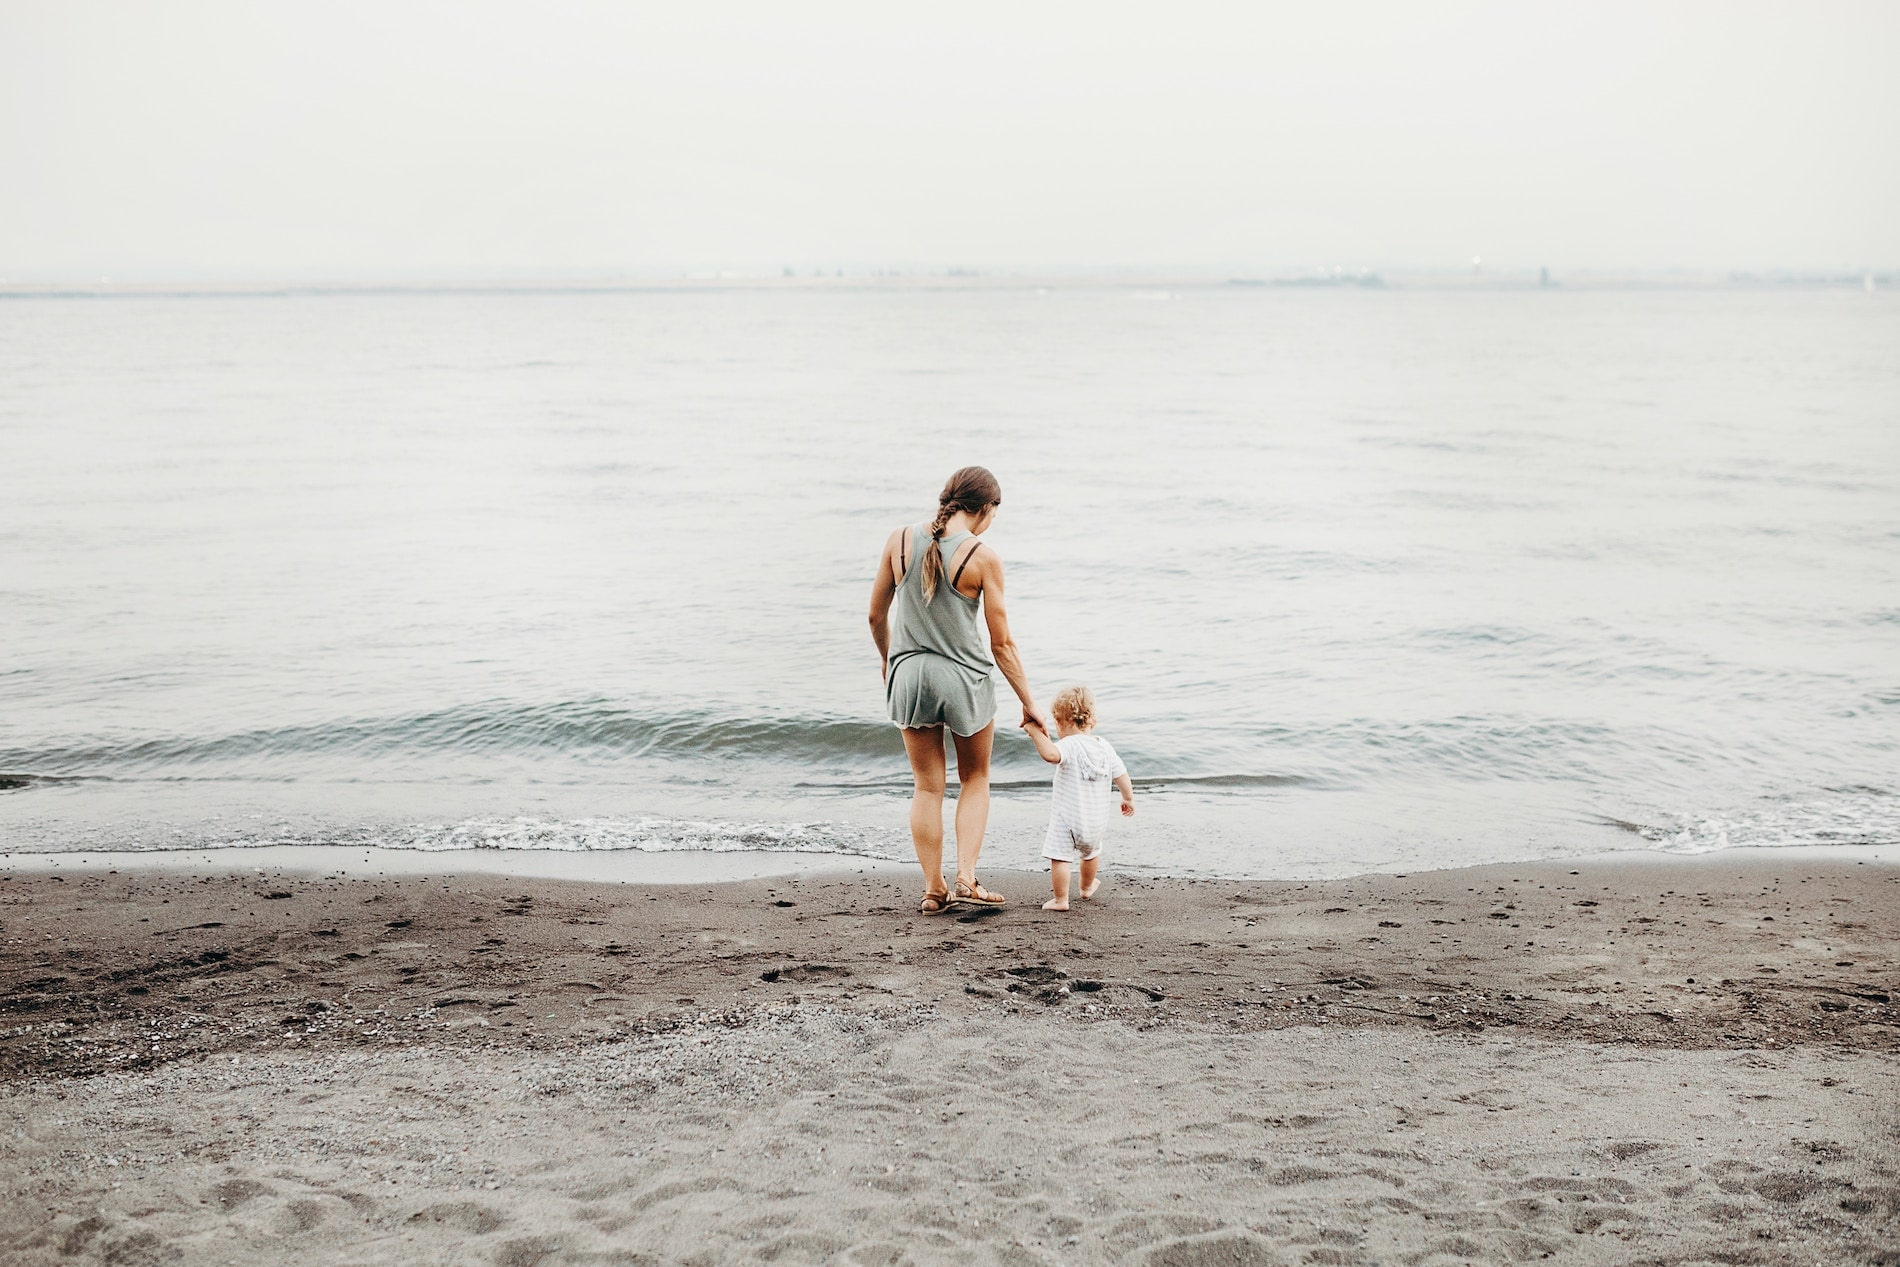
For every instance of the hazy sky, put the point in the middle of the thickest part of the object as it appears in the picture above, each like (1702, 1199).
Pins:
(254, 138)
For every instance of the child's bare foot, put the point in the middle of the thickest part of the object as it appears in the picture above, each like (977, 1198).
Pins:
(1055, 904)
(1089, 890)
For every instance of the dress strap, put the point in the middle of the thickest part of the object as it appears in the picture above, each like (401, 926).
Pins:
(918, 540)
(965, 564)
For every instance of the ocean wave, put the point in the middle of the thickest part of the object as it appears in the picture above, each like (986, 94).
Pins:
(576, 728)
(1158, 782)
(16, 782)
(1856, 816)
(645, 835)
(642, 834)
(837, 753)
(1227, 780)
(467, 742)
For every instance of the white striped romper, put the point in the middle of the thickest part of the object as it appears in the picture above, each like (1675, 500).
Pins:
(1084, 797)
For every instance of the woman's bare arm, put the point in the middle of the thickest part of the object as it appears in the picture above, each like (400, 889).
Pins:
(883, 590)
(989, 575)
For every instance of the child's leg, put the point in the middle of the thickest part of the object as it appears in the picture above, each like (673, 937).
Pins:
(1059, 881)
(1090, 880)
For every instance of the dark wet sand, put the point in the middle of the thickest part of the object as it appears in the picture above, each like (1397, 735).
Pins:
(1608, 1061)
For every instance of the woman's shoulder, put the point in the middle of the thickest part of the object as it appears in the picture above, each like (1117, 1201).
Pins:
(982, 556)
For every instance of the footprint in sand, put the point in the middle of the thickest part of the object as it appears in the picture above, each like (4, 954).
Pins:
(465, 1216)
(801, 972)
(301, 1216)
(1221, 1249)
(80, 1234)
(531, 1251)
(1293, 1176)
(140, 1247)
(233, 1193)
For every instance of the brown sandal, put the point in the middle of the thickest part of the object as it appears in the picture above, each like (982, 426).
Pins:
(975, 892)
(934, 904)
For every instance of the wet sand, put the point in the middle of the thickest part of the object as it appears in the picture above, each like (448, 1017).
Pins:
(1608, 1061)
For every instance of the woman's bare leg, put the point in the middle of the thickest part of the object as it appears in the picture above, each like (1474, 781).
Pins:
(924, 747)
(973, 798)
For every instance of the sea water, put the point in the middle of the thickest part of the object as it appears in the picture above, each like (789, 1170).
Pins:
(1361, 578)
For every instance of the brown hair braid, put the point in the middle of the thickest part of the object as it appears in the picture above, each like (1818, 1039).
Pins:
(972, 490)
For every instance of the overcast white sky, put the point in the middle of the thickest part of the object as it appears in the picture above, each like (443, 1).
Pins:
(475, 138)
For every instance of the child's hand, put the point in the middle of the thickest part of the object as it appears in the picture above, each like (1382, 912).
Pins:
(1128, 809)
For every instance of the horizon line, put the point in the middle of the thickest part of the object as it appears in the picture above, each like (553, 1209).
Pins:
(605, 280)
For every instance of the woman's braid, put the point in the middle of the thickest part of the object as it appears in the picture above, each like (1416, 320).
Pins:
(971, 490)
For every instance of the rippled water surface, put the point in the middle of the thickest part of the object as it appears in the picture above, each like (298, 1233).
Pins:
(1368, 579)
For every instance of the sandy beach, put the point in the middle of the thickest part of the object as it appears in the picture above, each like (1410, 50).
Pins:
(1618, 1060)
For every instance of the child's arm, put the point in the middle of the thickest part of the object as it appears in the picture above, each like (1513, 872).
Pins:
(1045, 746)
(1127, 787)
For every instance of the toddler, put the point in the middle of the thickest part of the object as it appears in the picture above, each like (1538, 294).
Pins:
(1086, 766)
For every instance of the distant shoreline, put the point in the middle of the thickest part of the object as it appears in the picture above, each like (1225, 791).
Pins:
(823, 281)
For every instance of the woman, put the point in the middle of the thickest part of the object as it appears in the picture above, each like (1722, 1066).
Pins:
(937, 672)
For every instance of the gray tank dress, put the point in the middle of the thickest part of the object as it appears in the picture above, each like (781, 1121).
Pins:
(940, 668)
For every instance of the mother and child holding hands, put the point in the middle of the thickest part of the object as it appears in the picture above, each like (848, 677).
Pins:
(939, 576)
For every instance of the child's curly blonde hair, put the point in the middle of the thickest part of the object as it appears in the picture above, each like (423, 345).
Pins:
(1074, 706)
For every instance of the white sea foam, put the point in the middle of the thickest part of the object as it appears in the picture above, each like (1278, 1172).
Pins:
(647, 834)
(1846, 818)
